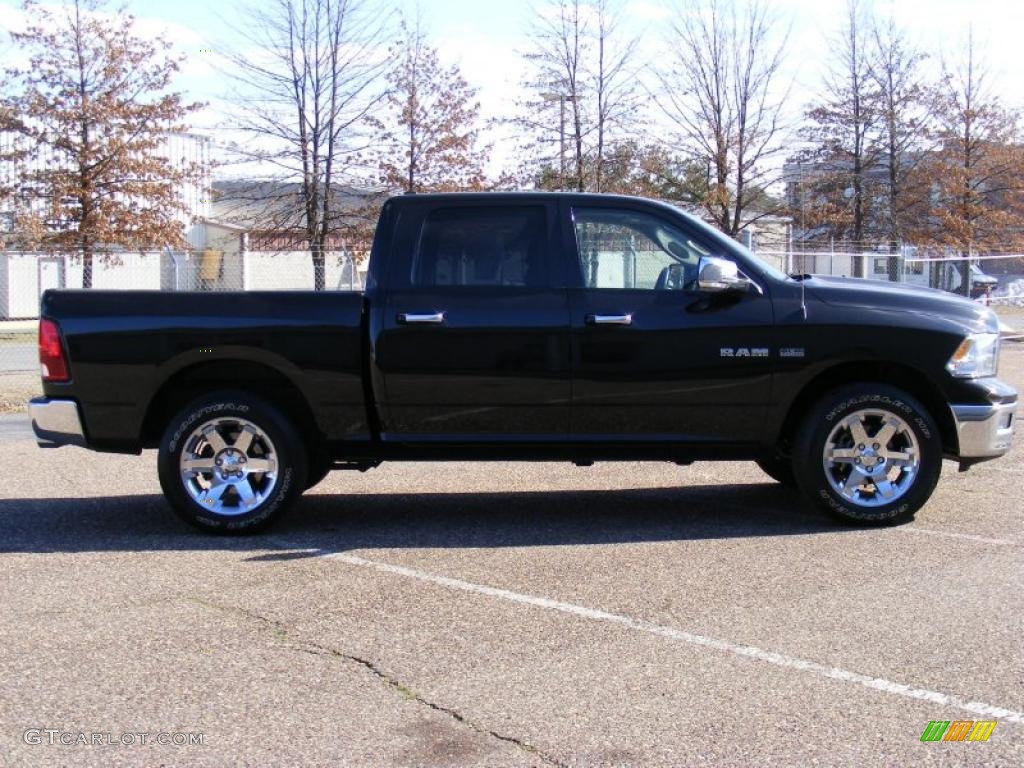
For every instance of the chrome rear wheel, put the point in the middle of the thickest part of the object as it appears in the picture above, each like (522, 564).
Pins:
(228, 466)
(231, 462)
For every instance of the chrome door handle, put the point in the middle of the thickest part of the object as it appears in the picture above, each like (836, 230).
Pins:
(610, 319)
(432, 318)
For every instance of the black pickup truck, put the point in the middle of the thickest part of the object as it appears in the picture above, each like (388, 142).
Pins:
(531, 327)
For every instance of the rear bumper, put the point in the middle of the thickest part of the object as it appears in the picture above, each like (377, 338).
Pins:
(984, 431)
(56, 422)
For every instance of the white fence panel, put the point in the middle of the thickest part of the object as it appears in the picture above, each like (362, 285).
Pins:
(19, 286)
(123, 272)
(293, 271)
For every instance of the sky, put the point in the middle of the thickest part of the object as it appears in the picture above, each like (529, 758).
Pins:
(486, 38)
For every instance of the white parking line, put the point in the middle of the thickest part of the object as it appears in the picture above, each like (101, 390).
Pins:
(780, 660)
(954, 535)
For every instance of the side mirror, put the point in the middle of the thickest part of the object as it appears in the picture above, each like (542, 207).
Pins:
(716, 275)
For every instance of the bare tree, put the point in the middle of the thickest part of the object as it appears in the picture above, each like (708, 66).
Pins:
(615, 91)
(304, 99)
(722, 93)
(844, 128)
(904, 122)
(89, 119)
(427, 132)
(559, 43)
(583, 87)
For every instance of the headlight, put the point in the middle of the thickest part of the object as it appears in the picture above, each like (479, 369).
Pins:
(977, 356)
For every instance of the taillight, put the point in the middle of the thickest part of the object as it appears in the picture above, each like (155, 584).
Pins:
(52, 362)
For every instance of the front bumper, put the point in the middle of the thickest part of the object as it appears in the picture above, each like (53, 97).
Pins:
(984, 431)
(56, 422)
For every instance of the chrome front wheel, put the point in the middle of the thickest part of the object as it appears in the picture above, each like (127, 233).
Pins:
(868, 454)
(871, 457)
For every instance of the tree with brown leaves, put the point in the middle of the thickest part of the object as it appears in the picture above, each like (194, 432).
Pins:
(428, 130)
(976, 176)
(92, 115)
(844, 130)
(896, 68)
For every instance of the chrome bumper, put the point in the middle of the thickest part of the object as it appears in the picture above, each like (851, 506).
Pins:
(56, 422)
(984, 431)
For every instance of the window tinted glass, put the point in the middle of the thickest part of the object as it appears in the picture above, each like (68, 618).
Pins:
(627, 249)
(482, 246)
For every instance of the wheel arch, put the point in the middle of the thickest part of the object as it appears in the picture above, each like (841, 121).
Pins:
(912, 381)
(258, 378)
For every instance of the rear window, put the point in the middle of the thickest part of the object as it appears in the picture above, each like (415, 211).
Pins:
(482, 246)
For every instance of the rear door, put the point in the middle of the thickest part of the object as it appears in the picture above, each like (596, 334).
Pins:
(654, 358)
(474, 339)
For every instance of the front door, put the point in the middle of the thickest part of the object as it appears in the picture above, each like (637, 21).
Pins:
(474, 341)
(653, 357)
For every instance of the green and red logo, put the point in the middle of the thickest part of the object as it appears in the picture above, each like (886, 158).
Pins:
(958, 730)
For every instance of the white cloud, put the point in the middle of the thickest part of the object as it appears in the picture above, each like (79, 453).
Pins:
(496, 68)
(645, 10)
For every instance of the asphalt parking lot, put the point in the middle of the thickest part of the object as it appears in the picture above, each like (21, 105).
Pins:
(506, 614)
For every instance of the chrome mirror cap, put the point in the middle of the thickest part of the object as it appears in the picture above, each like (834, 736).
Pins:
(716, 275)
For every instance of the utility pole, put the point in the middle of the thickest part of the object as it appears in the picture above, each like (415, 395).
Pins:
(561, 98)
(561, 143)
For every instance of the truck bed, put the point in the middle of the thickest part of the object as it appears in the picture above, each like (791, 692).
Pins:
(127, 347)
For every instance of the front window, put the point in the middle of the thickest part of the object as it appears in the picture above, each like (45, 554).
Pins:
(632, 250)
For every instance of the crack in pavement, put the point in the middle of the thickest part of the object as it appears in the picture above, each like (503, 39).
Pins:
(281, 632)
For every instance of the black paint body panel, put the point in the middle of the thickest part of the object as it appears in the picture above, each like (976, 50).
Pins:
(124, 345)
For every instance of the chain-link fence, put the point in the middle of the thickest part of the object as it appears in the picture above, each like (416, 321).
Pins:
(993, 278)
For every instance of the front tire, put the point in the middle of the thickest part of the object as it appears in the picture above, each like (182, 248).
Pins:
(231, 463)
(778, 468)
(868, 454)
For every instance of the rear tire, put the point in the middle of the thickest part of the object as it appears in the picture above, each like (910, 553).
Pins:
(230, 462)
(868, 454)
(319, 468)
